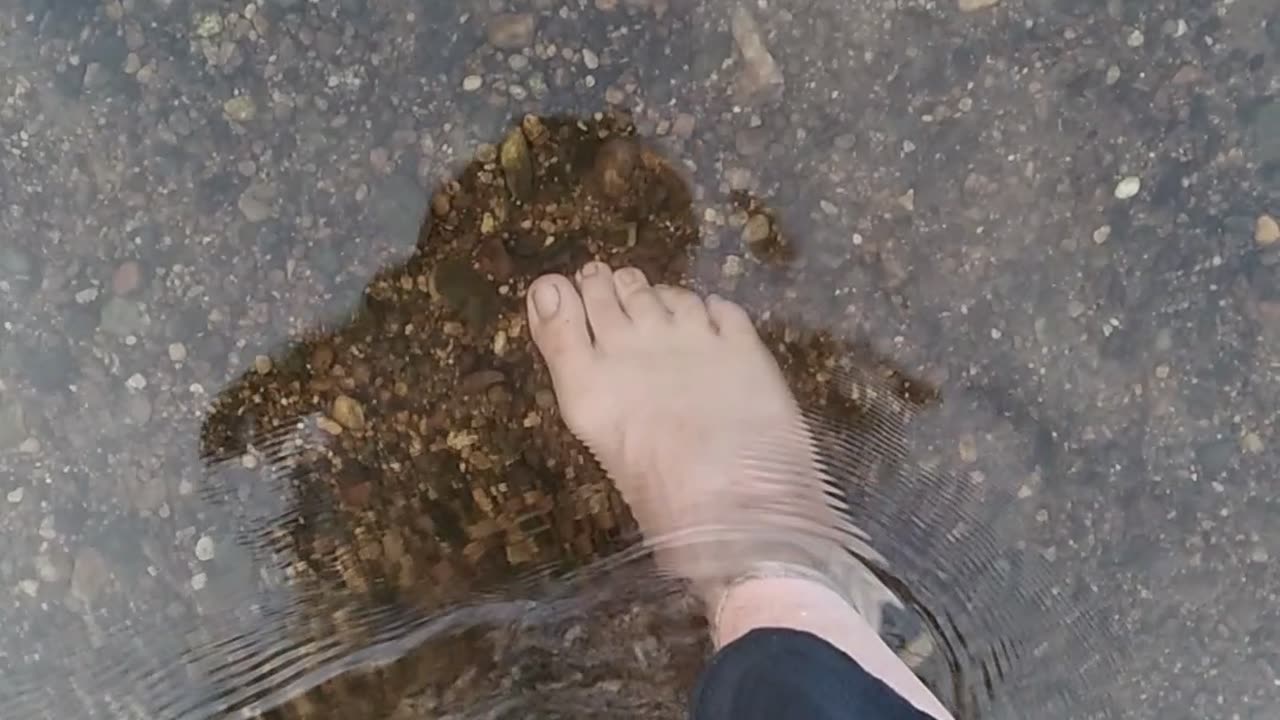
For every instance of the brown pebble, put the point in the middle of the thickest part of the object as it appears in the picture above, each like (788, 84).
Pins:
(348, 412)
(615, 163)
(322, 358)
(683, 125)
(127, 278)
(479, 381)
(380, 159)
(441, 205)
(494, 259)
(356, 495)
(511, 31)
(534, 129)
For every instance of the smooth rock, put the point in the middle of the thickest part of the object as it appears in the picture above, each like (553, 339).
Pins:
(683, 125)
(121, 317)
(12, 428)
(465, 291)
(348, 412)
(760, 79)
(1266, 133)
(15, 261)
(138, 408)
(976, 5)
(479, 381)
(208, 25)
(88, 575)
(511, 31)
(127, 278)
(756, 230)
(615, 164)
(253, 209)
(517, 166)
(472, 83)
(240, 108)
(204, 548)
(1128, 187)
(750, 142)
(1266, 231)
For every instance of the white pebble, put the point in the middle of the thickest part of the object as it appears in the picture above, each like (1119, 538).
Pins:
(472, 83)
(30, 446)
(198, 581)
(1128, 187)
(15, 495)
(136, 381)
(86, 296)
(177, 352)
(590, 59)
(1135, 39)
(204, 548)
(1101, 235)
(29, 586)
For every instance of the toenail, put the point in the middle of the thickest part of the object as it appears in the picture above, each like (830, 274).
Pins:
(546, 300)
(629, 276)
(591, 268)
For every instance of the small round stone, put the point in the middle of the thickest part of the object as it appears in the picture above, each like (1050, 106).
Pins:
(1128, 187)
(177, 352)
(1266, 231)
(204, 548)
(472, 83)
(127, 278)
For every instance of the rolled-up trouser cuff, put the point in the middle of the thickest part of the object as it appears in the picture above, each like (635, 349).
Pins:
(782, 674)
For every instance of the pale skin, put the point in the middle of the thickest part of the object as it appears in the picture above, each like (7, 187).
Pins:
(671, 392)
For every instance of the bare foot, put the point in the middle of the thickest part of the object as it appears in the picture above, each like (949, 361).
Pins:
(686, 409)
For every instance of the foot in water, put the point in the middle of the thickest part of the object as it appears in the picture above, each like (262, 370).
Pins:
(687, 411)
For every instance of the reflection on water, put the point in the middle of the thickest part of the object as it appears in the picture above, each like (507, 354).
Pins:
(267, 446)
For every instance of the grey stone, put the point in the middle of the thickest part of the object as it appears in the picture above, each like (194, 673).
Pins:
(1215, 457)
(88, 575)
(19, 268)
(760, 79)
(1266, 133)
(12, 428)
(139, 408)
(751, 141)
(121, 317)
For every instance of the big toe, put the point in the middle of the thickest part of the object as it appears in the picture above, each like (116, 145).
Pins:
(558, 323)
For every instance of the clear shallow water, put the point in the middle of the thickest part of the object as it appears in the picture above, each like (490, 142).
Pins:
(937, 186)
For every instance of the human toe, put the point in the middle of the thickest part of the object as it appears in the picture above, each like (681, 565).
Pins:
(600, 297)
(638, 298)
(558, 323)
(729, 317)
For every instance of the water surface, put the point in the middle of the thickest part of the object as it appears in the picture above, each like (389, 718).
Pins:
(219, 220)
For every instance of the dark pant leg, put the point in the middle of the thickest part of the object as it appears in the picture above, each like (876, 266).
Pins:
(779, 674)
